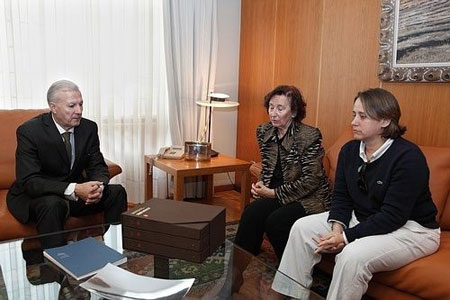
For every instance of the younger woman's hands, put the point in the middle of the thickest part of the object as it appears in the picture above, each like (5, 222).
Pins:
(332, 242)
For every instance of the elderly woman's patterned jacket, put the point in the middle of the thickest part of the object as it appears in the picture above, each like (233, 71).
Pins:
(301, 156)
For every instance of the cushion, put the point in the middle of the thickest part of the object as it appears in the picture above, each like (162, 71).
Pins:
(438, 160)
(11, 119)
(427, 278)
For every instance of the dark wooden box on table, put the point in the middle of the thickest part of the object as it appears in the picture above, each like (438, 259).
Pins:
(174, 229)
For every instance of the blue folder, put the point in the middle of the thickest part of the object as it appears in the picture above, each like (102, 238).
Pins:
(83, 258)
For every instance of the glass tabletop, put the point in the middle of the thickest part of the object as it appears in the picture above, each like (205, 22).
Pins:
(26, 275)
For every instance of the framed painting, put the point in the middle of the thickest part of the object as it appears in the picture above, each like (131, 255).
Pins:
(415, 41)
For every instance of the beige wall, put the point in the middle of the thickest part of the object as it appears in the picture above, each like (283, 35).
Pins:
(224, 125)
(329, 49)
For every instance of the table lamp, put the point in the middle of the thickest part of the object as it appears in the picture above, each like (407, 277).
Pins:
(216, 100)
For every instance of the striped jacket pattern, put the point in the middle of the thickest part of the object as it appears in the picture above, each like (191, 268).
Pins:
(301, 156)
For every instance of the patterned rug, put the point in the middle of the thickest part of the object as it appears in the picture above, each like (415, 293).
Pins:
(213, 266)
(211, 271)
(209, 274)
(3, 293)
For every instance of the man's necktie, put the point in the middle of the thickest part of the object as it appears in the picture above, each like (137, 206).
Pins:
(66, 137)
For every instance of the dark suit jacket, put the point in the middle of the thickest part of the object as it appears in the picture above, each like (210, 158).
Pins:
(43, 166)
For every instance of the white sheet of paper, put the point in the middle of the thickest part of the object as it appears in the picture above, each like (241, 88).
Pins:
(114, 281)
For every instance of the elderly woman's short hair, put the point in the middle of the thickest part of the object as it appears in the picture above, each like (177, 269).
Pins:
(298, 104)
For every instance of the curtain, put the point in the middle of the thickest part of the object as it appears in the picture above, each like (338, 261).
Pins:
(114, 51)
(14, 272)
(190, 34)
(13, 275)
(190, 31)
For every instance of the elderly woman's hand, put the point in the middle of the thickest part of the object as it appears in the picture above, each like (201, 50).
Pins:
(259, 190)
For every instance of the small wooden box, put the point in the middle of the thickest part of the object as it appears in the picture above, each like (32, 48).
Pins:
(174, 229)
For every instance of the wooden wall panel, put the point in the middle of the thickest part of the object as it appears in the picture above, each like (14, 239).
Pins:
(329, 49)
(349, 61)
(297, 48)
(258, 20)
(425, 111)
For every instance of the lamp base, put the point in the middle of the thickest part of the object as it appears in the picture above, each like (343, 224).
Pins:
(214, 153)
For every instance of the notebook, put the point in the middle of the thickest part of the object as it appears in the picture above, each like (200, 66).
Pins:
(83, 258)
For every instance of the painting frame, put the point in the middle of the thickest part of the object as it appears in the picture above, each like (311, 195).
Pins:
(389, 69)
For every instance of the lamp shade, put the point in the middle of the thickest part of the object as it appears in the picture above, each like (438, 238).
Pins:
(221, 104)
(216, 100)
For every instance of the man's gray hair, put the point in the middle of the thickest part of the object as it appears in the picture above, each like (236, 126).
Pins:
(67, 85)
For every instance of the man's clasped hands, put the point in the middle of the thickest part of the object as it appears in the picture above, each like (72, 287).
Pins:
(90, 192)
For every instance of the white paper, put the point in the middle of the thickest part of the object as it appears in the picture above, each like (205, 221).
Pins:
(116, 283)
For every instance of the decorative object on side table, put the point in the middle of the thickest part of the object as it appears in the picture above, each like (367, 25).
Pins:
(197, 151)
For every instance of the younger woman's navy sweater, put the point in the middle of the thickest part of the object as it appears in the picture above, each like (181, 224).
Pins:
(397, 190)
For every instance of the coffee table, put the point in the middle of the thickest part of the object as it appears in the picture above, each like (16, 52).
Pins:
(42, 280)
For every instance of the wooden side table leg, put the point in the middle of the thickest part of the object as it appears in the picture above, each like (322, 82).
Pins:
(245, 189)
(148, 181)
(178, 188)
(209, 187)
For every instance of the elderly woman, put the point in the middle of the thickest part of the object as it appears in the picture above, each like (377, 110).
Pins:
(382, 216)
(292, 181)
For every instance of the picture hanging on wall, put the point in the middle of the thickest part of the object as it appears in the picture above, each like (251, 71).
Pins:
(415, 41)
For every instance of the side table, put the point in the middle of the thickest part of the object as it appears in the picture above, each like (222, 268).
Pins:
(181, 168)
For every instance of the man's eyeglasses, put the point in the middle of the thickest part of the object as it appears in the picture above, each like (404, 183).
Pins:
(362, 184)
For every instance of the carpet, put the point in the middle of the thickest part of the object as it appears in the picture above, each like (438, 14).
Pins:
(209, 275)
(3, 292)
(211, 269)
(321, 280)
(211, 272)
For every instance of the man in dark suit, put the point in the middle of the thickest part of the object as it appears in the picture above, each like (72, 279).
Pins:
(53, 150)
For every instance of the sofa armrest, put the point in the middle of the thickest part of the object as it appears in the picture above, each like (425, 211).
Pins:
(113, 168)
(255, 169)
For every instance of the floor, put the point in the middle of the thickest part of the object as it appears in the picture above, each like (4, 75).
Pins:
(230, 200)
(253, 284)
